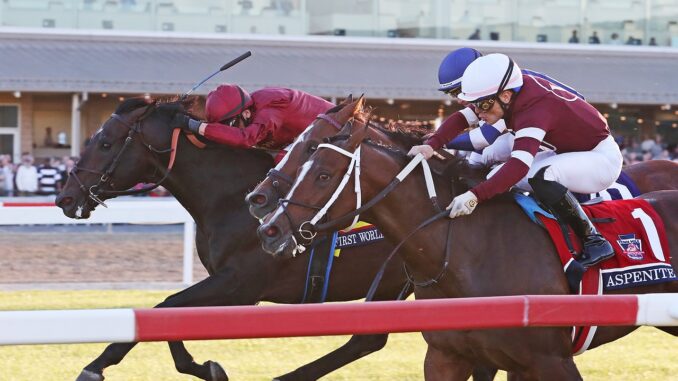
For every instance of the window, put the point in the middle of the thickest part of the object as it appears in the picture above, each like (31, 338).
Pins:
(9, 116)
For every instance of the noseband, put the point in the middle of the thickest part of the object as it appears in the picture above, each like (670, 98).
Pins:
(277, 176)
(95, 191)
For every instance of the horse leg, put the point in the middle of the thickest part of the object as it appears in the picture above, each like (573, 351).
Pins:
(440, 365)
(222, 288)
(484, 373)
(357, 347)
(552, 368)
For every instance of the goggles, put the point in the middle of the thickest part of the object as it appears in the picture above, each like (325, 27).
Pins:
(454, 93)
(231, 121)
(484, 104)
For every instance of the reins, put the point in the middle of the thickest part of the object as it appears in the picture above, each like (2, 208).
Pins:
(312, 230)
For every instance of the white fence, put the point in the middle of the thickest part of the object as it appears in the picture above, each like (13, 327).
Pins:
(144, 211)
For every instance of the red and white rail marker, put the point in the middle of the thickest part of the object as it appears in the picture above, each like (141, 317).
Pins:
(208, 323)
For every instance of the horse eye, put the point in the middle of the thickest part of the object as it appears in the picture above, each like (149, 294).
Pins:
(105, 146)
(312, 148)
(323, 177)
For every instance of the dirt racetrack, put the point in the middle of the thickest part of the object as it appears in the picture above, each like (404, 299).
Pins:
(96, 253)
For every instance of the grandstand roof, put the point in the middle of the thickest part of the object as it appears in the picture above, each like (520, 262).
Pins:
(128, 63)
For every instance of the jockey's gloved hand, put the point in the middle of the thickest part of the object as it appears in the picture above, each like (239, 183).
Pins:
(463, 205)
(425, 150)
(186, 123)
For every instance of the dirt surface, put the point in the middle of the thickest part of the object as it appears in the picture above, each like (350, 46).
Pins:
(93, 254)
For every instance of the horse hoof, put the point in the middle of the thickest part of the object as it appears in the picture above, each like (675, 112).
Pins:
(88, 375)
(216, 371)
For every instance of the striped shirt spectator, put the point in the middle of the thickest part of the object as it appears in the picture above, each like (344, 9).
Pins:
(49, 177)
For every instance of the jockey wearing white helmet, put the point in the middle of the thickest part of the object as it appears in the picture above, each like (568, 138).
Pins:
(585, 158)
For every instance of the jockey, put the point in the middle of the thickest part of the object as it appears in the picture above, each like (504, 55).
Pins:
(585, 158)
(488, 144)
(268, 118)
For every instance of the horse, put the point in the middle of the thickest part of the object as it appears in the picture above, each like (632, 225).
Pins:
(449, 258)
(648, 176)
(132, 147)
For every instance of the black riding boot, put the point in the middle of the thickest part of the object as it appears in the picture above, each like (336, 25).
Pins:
(566, 207)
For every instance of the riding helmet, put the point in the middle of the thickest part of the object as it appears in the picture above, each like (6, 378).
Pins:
(453, 66)
(226, 102)
(490, 75)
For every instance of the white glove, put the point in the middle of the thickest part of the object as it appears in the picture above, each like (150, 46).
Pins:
(425, 150)
(463, 205)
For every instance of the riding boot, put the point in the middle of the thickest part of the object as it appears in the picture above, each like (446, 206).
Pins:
(566, 207)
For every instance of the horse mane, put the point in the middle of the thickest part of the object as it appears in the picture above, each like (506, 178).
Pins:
(131, 104)
(189, 105)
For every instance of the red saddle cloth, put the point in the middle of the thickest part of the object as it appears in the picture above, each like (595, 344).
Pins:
(642, 257)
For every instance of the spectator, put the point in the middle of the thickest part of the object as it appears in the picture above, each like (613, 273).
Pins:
(574, 39)
(49, 178)
(49, 139)
(652, 42)
(614, 39)
(62, 140)
(593, 39)
(647, 144)
(631, 41)
(26, 177)
(658, 148)
(6, 176)
(475, 35)
(67, 164)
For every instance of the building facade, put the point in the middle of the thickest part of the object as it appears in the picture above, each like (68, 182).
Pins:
(66, 64)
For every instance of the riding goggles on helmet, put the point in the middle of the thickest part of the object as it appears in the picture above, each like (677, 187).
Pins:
(484, 104)
(231, 121)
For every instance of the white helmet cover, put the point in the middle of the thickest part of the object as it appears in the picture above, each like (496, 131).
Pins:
(484, 76)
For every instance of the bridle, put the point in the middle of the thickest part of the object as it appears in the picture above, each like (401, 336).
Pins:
(277, 176)
(354, 165)
(96, 191)
(307, 230)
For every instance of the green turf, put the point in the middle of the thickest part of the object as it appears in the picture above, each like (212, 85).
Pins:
(647, 354)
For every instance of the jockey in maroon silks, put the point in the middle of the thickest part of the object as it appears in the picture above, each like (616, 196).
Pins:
(584, 155)
(268, 118)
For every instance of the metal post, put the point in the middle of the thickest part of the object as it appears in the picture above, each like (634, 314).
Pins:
(75, 125)
(189, 238)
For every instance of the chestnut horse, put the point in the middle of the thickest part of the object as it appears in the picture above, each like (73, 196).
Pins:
(471, 256)
(210, 184)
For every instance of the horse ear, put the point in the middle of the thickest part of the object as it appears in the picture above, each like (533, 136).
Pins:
(346, 101)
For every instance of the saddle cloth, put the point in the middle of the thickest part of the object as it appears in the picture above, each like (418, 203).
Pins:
(637, 234)
(323, 254)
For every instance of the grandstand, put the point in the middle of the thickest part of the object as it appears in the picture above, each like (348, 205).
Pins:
(66, 63)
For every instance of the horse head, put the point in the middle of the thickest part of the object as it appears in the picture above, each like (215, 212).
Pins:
(327, 187)
(131, 147)
(264, 198)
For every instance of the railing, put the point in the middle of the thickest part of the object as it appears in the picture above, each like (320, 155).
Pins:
(206, 323)
(144, 211)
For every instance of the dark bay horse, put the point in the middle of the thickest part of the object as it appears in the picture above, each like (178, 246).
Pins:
(488, 255)
(211, 184)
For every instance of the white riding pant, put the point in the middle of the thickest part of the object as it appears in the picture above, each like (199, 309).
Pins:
(497, 152)
(581, 172)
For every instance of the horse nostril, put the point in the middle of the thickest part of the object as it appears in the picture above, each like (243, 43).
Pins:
(258, 199)
(271, 231)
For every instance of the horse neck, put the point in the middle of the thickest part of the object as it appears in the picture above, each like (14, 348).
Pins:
(211, 183)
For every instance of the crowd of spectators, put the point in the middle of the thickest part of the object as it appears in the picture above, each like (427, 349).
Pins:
(28, 178)
(46, 177)
(613, 40)
(650, 148)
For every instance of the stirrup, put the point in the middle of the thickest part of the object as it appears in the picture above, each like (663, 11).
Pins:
(602, 250)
